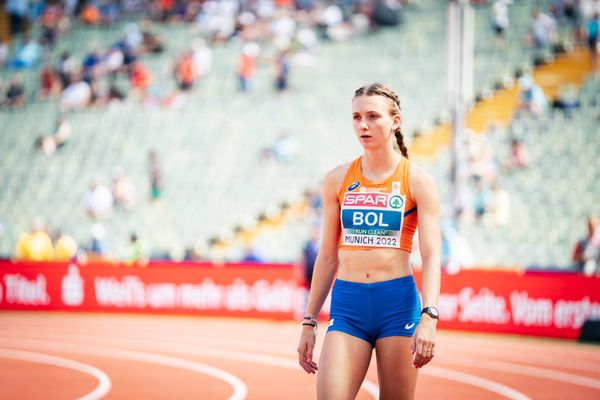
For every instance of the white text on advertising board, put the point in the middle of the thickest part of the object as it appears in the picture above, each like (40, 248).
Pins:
(521, 309)
(21, 290)
(131, 292)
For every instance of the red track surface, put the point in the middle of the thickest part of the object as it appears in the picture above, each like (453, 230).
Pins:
(68, 356)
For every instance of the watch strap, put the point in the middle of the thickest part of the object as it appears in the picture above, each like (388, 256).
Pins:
(431, 311)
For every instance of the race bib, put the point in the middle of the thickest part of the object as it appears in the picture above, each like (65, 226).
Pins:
(372, 219)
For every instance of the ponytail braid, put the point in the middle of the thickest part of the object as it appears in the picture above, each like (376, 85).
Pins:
(400, 141)
(378, 89)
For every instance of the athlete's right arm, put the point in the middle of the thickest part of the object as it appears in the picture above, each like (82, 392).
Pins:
(326, 265)
(327, 261)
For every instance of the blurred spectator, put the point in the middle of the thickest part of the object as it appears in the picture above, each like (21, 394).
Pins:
(186, 72)
(35, 245)
(330, 20)
(500, 207)
(66, 69)
(282, 70)
(113, 61)
(282, 151)
(133, 37)
(480, 156)
(65, 247)
(202, 57)
(309, 256)
(519, 156)
(247, 66)
(15, 93)
(91, 66)
(166, 8)
(27, 56)
(156, 177)
(456, 250)
(385, 13)
(62, 132)
(586, 253)
(198, 252)
(45, 145)
(532, 97)
(315, 202)
(482, 200)
(49, 83)
(122, 190)
(3, 53)
(593, 41)
(50, 22)
(543, 29)
(48, 144)
(98, 201)
(137, 252)
(251, 255)
(591, 31)
(151, 43)
(282, 28)
(98, 245)
(90, 15)
(140, 80)
(17, 13)
(76, 96)
(114, 95)
(109, 12)
(567, 99)
(500, 20)
(217, 20)
(71, 6)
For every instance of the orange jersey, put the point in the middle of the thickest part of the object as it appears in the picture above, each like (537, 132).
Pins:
(377, 214)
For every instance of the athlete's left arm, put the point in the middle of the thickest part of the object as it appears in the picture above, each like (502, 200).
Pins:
(425, 194)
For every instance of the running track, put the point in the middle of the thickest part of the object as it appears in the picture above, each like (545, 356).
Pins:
(91, 356)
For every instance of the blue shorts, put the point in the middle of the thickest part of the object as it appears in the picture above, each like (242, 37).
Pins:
(371, 311)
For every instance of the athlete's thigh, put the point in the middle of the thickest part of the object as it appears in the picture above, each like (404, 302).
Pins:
(343, 365)
(397, 376)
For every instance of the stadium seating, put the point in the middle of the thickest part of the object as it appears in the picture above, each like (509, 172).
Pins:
(210, 147)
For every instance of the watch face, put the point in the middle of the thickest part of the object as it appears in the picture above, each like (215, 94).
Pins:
(432, 311)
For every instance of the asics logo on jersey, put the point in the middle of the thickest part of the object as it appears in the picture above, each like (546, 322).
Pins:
(353, 186)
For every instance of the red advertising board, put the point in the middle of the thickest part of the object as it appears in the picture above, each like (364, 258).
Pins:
(236, 290)
(541, 304)
(535, 303)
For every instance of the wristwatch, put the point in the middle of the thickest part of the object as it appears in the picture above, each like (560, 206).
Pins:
(432, 311)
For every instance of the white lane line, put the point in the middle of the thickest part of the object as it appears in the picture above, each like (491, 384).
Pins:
(71, 325)
(543, 373)
(371, 388)
(173, 333)
(281, 362)
(187, 349)
(194, 349)
(474, 380)
(104, 383)
(513, 355)
(239, 388)
(541, 345)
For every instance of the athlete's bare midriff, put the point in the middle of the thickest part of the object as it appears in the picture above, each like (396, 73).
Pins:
(375, 265)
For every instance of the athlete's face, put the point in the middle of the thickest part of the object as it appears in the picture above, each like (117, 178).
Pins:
(373, 124)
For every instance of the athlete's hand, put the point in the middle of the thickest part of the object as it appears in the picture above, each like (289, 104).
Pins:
(422, 344)
(305, 349)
